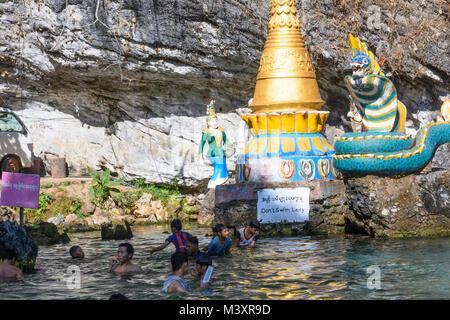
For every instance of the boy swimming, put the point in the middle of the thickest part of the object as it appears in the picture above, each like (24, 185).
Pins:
(192, 248)
(9, 272)
(76, 252)
(178, 238)
(176, 282)
(221, 244)
(247, 236)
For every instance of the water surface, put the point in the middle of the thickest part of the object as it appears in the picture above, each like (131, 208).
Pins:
(279, 268)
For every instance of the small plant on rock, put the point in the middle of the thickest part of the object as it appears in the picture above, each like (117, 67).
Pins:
(101, 187)
(44, 200)
(76, 208)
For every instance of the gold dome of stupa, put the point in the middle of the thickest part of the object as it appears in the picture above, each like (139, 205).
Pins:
(286, 79)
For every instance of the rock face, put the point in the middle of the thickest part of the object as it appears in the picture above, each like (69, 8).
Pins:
(74, 223)
(207, 209)
(47, 234)
(7, 214)
(15, 237)
(124, 84)
(415, 205)
(149, 210)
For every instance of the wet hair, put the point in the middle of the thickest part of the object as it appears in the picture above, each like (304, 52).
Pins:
(219, 227)
(7, 254)
(204, 260)
(176, 223)
(72, 250)
(129, 247)
(118, 296)
(254, 224)
(193, 240)
(177, 259)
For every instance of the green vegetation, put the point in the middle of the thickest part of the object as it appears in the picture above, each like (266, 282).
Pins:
(163, 193)
(101, 188)
(47, 185)
(38, 214)
(49, 206)
(426, 233)
(127, 199)
(76, 208)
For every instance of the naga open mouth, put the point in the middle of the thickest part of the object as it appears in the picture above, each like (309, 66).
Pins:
(358, 69)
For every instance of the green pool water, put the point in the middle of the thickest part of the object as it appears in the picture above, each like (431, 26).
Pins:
(279, 268)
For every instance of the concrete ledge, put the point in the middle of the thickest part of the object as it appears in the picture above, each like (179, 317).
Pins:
(249, 191)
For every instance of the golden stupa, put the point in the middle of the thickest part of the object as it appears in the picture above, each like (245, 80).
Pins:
(286, 97)
(286, 121)
(286, 80)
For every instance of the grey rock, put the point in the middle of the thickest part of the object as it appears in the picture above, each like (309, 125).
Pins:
(15, 237)
(128, 91)
(46, 234)
(118, 232)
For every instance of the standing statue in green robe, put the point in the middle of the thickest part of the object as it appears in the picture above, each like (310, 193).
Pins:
(216, 138)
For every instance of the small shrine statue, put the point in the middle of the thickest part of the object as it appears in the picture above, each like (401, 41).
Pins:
(216, 138)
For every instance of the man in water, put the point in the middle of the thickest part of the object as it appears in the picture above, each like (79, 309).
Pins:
(76, 252)
(247, 237)
(9, 272)
(122, 263)
(192, 248)
(180, 267)
(202, 263)
(178, 238)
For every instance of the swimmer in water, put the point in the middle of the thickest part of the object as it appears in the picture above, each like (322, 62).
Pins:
(202, 263)
(178, 238)
(247, 237)
(192, 248)
(9, 272)
(176, 283)
(76, 252)
(221, 244)
(122, 263)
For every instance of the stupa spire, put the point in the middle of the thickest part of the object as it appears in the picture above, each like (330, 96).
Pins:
(286, 79)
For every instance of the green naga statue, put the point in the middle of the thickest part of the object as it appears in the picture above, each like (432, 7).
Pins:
(382, 147)
(216, 138)
(372, 93)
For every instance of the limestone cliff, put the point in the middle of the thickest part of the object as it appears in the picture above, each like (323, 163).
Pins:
(124, 84)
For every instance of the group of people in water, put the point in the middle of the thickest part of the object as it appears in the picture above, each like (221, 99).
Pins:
(186, 248)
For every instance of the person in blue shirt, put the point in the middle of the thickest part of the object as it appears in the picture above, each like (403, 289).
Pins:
(221, 244)
(178, 238)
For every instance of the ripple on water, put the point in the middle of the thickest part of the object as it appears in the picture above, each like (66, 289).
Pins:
(280, 268)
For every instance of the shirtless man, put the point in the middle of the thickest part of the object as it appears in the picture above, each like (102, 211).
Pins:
(247, 237)
(8, 272)
(122, 263)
